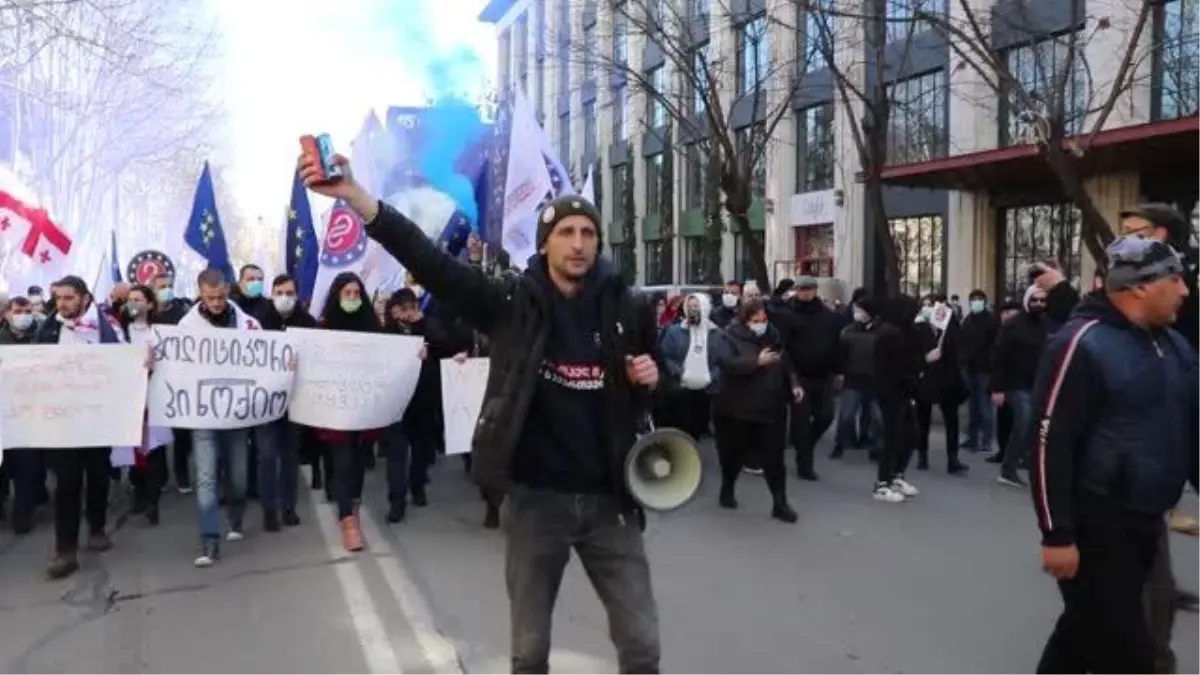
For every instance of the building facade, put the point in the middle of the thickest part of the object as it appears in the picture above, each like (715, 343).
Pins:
(970, 205)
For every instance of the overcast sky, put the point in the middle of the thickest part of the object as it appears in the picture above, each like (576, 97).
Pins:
(309, 66)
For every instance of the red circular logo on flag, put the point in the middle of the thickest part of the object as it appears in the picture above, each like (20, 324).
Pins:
(345, 238)
(147, 265)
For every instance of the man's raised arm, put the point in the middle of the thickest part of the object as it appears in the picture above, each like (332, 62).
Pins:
(480, 298)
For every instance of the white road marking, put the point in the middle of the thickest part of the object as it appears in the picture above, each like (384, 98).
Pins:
(438, 651)
(376, 646)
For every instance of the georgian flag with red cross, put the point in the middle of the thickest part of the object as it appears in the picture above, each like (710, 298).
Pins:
(31, 231)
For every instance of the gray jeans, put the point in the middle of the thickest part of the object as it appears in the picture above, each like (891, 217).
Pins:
(541, 528)
(1158, 599)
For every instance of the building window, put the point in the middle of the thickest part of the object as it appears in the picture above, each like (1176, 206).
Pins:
(564, 138)
(624, 259)
(693, 260)
(1038, 69)
(918, 119)
(659, 262)
(620, 36)
(742, 267)
(902, 19)
(589, 52)
(753, 54)
(696, 162)
(919, 248)
(750, 142)
(814, 250)
(1177, 62)
(1035, 233)
(816, 44)
(814, 148)
(619, 186)
(589, 131)
(656, 112)
(654, 186)
(620, 115)
(506, 59)
(699, 83)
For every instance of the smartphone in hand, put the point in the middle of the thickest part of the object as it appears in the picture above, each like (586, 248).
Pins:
(319, 151)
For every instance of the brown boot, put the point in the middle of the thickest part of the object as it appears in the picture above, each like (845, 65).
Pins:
(351, 536)
(63, 565)
(98, 542)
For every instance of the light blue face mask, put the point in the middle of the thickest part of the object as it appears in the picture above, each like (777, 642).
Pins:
(978, 306)
(254, 289)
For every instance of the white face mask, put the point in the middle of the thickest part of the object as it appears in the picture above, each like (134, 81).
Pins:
(729, 300)
(22, 322)
(861, 316)
(757, 328)
(418, 290)
(284, 304)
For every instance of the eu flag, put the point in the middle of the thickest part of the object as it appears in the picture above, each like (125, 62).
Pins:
(114, 260)
(302, 248)
(204, 234)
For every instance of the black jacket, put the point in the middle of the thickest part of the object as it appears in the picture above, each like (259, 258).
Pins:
(425, 408)
(1116, 409)
(942, 379)
(271, 319)
(876, 358)
(1018, 349)
(812, 338)
(172, 313)
(515, 313)
(977, 337)
(748, 391)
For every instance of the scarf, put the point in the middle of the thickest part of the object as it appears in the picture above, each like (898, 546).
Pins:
(85, 328)
(242, 320)
(696, 374)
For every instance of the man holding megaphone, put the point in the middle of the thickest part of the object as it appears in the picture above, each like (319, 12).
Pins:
(571, 368)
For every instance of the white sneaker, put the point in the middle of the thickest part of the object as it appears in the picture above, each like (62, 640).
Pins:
(186, 490)
(234, 535)
(885, 493)
(204, 560)
(904, 487)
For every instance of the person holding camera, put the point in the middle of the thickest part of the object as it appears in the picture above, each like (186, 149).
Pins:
(572, 368)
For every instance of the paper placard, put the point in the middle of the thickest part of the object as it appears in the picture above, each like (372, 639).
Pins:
(71, 396)
(462, 397)
(350, 381)
(213, 378)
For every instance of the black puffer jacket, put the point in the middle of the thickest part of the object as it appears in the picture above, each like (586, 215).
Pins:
(748, 391)
(514, 313)
(813, 338)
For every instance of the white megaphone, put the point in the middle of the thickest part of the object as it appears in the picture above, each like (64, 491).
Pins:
(663, 470)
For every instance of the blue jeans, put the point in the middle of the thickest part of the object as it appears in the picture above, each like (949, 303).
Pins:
(208, 445)
(278, 464)
(981, 416)
(1020, 402)
(850, 404)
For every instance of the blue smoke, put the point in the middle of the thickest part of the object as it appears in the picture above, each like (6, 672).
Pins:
(452, 125)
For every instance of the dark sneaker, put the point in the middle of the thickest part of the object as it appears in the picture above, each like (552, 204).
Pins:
(98, 542)
(782, 511)
(290, 519)
(62, 566)
(271, 520)
(491, 520)
(419, 498)
(396, 513)
(1011, 479)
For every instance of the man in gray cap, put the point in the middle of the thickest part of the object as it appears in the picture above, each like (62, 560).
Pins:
(1116, 398)
(812, 338)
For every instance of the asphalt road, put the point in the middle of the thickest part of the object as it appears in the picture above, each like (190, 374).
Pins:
(948, 582)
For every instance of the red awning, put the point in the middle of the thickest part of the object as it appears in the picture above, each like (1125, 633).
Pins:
(1163, 146)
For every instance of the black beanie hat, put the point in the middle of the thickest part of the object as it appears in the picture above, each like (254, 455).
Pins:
(561, 207)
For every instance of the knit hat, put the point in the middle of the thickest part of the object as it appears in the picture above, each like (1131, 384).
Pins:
(1136, 260)
(805, 282)
(561, 207)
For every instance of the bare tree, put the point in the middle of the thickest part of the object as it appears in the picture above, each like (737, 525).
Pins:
(703, 98)
(847, 38)
(105, 96)
(1056, 99)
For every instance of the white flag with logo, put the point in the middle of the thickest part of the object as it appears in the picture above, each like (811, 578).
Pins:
(527, 183)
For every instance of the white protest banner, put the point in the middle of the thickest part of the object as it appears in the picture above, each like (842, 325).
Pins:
(462, 397)
(349, 381)
(213, 378)
(72, 396)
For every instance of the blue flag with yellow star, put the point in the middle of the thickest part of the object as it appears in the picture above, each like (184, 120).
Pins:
(303, 251)
(204, 234)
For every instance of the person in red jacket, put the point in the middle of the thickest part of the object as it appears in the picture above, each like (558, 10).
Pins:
(348, 307)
